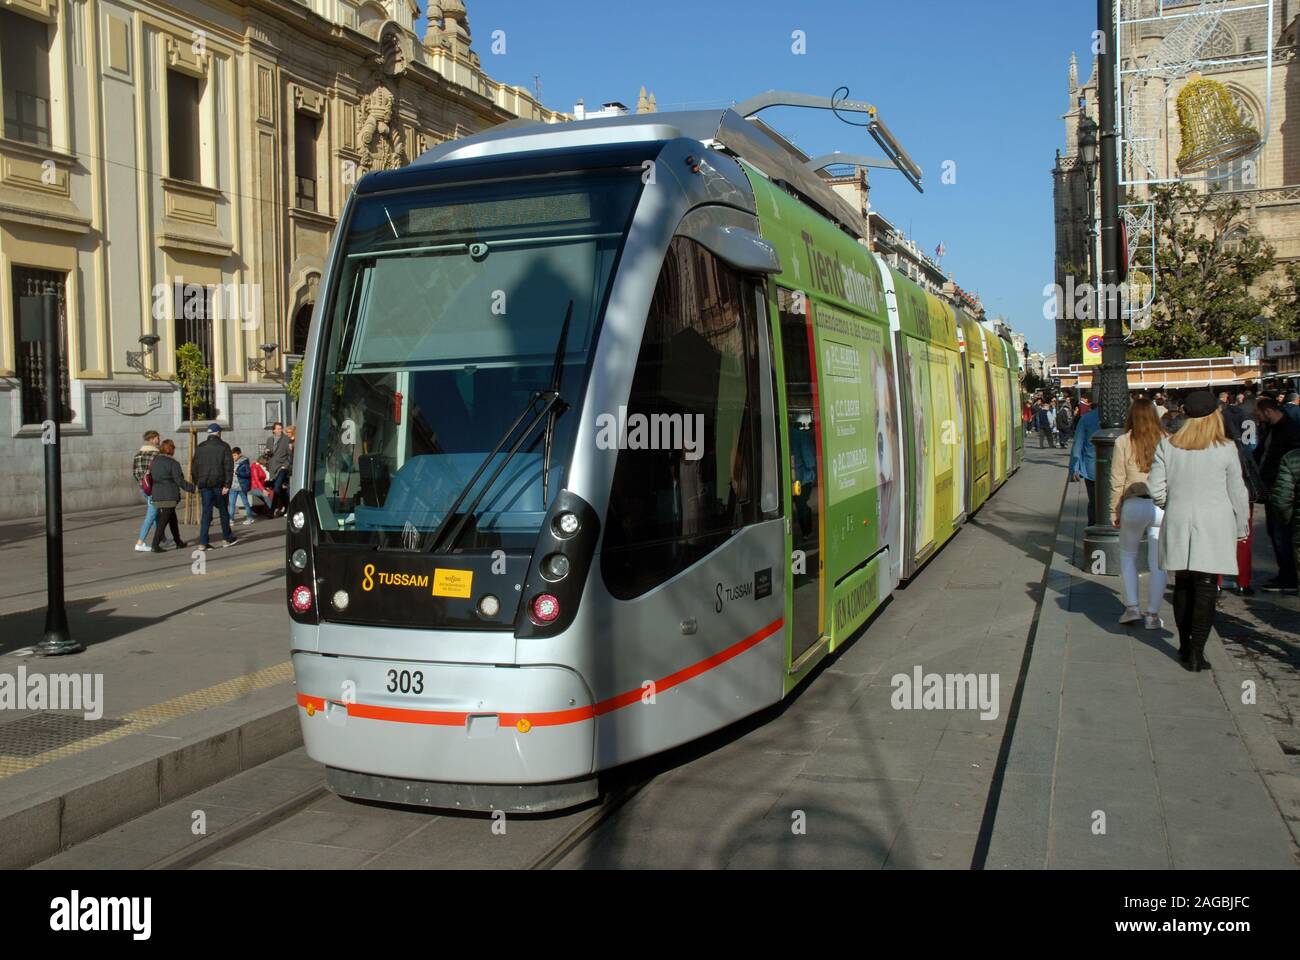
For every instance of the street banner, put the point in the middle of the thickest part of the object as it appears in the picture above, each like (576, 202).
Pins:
(1092, 340)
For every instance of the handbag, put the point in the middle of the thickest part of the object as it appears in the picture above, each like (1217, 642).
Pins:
(146, 483)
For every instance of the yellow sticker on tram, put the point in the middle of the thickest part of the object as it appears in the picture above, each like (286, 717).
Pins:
(452, 583)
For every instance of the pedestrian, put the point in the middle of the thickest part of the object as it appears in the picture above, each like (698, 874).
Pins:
(241, 483)
(1136, 514)
(278, 467)
(1083, 459)
(1161, 409)
(1173, 417)
(1064, 423)
(139, 469)
(1285, 499)
(1044, 424)
(1236, 430)
(1196, 477)
(1248, 420)
(213, 472)
(167, 481)
(1281, 436)
(1291, 406)
(259, 479)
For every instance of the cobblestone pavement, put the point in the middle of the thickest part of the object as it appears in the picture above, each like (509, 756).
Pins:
(1262, 635)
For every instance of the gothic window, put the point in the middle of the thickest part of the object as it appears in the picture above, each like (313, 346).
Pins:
(1222, 43)
(1242, 173)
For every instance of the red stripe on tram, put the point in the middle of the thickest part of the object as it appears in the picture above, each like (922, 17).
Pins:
(551, 718)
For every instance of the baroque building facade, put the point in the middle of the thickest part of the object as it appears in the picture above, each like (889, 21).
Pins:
(1267, 184)
(174, 173)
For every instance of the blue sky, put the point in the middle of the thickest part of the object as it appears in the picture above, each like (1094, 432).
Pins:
(982, 84)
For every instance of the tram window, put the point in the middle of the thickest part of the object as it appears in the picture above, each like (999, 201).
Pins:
(689, 481)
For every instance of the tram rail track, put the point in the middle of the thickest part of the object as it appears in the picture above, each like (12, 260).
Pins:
(211, 847)
(609, 805)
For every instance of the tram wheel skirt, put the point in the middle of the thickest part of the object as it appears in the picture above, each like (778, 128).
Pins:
(479, 797)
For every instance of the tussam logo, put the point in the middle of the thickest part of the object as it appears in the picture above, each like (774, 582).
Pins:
(946, 691)
(102, 914)
(656, 431)
(54, 691)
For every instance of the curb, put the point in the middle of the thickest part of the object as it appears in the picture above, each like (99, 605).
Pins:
(1021, 829)
(54, 821)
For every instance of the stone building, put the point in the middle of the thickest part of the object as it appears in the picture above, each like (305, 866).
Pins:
(1267, 183)
(174, 173)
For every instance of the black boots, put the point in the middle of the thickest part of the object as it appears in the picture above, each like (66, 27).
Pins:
(1195, 597)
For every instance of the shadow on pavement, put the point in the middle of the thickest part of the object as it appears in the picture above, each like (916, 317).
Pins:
(92, 621)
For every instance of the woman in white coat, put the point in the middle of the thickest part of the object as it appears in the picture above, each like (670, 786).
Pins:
(1196, 477)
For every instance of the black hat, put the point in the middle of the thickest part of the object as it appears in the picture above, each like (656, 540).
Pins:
(1200, 404)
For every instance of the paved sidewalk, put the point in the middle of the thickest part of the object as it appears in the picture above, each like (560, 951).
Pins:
(870, 785)
(196, 683)
(1122, 759)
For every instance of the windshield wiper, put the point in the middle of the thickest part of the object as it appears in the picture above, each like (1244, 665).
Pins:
(551, 401)
(557, 371)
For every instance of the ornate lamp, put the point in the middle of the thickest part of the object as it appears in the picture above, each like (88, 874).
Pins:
(135, 358)
(262, 365)
(1212, 129)
(1088, 141)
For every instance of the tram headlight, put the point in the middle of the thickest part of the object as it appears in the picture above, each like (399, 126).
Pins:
(301, 598)
(299, 520)
(340, 600)
(488, 605)
(545, 608)
(566, 524)
(299, 559)
(556, 566)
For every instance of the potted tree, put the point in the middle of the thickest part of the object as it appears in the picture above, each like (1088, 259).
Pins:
(193, 376)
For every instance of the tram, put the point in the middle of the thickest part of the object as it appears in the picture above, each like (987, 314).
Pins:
(611, 431)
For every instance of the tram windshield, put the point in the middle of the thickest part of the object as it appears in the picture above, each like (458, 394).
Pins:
(448, 320)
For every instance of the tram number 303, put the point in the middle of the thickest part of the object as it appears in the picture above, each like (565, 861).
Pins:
(405, 681)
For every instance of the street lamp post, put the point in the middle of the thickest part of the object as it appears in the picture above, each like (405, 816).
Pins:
(58, 638)
(1101, 539)
(1088, 157)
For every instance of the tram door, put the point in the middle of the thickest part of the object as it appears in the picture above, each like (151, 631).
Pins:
(806, 487)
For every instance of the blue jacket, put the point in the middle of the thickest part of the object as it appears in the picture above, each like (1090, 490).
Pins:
(1083, 455)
